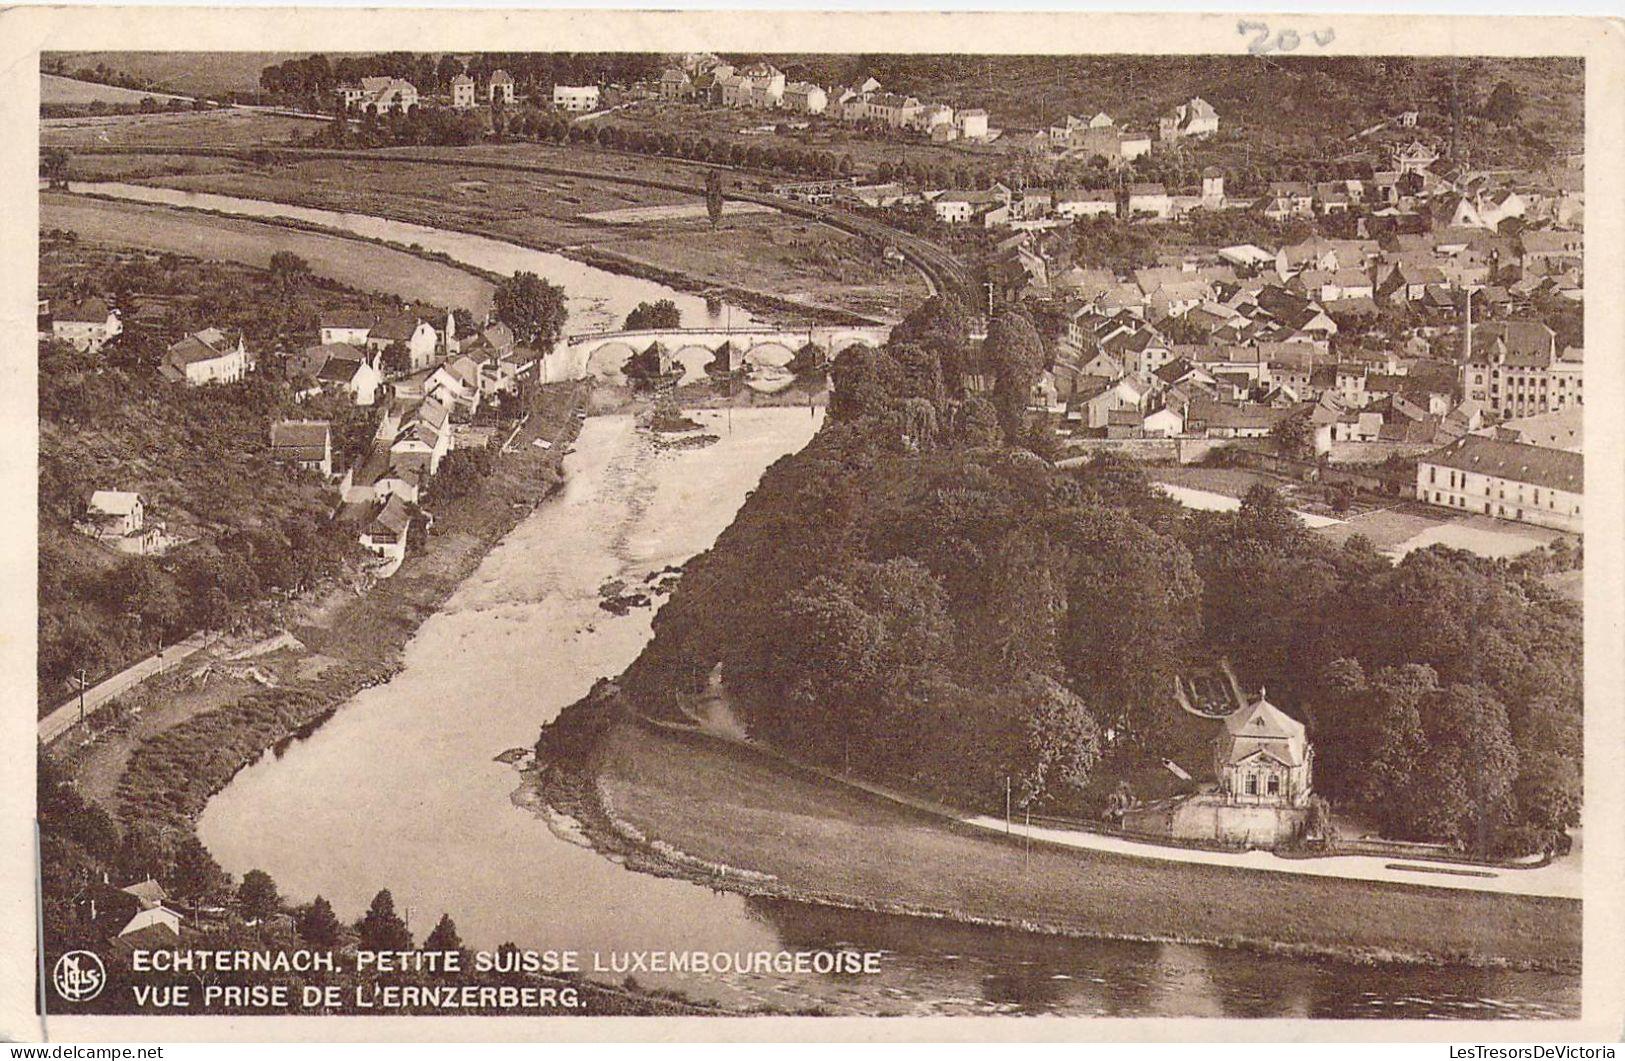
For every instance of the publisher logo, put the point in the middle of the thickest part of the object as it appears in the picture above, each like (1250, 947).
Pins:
(79, 976)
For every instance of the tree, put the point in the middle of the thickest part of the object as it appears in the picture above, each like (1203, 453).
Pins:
(713, 196)
(1292, 435)
(54, 165)
(257, 895)
(533, 308)
(318, 926)
(444, 937)
(195, 875)
(1015, 353)
(288, 271)
(397, 358)
(660, 315)
(863, 382)
(382, 928)
(1060, 739)
(976, 423)
(1505, 104)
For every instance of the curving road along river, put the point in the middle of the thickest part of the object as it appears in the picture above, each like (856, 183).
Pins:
(399, 789)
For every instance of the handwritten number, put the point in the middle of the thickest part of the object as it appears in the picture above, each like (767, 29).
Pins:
(1259, 44)
(1287, 40)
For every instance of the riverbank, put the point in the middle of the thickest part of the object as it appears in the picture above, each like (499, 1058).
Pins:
(147, 766)
(371, 265)
(692, 807)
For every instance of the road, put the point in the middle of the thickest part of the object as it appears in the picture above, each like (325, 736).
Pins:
(98, 696)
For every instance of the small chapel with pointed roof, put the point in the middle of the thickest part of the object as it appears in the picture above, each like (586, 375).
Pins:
(1263, 757)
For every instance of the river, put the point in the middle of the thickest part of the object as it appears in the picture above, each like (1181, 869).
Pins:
(400, 789)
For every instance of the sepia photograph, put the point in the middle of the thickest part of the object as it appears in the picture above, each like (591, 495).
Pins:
(748, 532)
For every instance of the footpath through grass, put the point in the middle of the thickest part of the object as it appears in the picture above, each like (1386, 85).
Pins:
(730, 806)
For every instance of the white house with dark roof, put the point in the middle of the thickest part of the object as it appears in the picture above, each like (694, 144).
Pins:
(385, 532)
(118, 519)
(304, 444)
(462, 92)
(1508, 480)
(1149, 200)
(576, 98)
(87, 324)
(378, 95)
(500, 87)
(208, 356)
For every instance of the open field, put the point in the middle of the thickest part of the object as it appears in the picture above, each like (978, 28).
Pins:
(221, 127)
(758, 252)
(54, 89)
(1409, 525)
(1232, 481)
(725, 805)
(198, 73)
(357, 264)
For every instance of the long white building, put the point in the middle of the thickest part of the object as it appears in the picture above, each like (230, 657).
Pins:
(1508, 480)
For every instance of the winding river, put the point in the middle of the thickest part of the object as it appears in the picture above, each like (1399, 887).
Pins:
(400, 788)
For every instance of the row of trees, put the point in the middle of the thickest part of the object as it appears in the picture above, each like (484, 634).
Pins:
(433, 74)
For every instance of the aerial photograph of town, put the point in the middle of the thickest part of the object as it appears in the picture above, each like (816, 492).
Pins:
(762, 534)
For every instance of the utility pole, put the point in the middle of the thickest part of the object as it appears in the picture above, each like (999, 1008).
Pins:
(1007, 804)
(1027, 848)
(81, 696)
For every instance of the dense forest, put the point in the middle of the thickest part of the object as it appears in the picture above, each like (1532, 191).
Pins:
(920, 597)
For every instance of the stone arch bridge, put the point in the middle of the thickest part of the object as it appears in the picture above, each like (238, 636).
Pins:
(604, 353)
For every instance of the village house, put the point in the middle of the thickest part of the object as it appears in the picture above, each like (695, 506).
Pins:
(1543, 251)
(134, 917)
(1509, 480)
(344, 326)
(1195, 118)
(207, 356)
(675, 84)
(386, 531)
(500, 88)
(118, 519)
(1414, 157)
(304, 444)
(1148, 200)
(972, 124)
(339, 367)
(378, 96)
(87, 324)
(956, 208)
(804, 97)
(420, 338)
(1085, 202)
(889, 108)
(462, 92)
(1563, 429)
(575, 98)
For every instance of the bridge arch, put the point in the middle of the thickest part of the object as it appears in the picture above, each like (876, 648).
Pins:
(694, 357)
(607, 359)
(772, 354)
